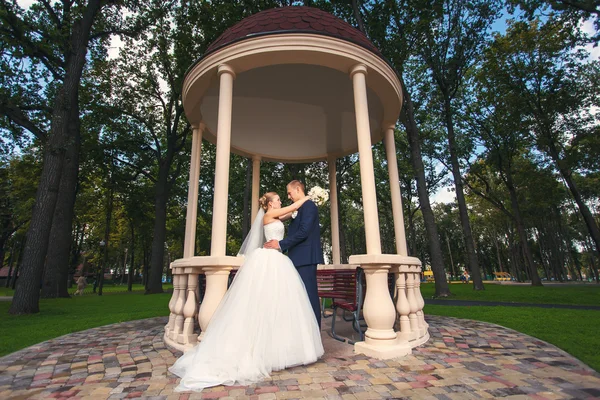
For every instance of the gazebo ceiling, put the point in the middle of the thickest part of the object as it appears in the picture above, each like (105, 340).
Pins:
(293, 98)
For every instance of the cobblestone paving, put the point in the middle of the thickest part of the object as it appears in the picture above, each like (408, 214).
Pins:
(462, 360)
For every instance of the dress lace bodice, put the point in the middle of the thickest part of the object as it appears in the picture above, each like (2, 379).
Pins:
(274, 230)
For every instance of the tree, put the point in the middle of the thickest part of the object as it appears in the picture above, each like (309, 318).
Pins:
(48, 47)
(455, 33)
(498, 122)
(539, 64)
(395, 32)
(570, 11)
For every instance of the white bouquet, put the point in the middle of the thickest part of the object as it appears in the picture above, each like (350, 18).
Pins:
(318, 195)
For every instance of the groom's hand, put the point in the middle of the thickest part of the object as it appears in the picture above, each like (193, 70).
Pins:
(272, 244)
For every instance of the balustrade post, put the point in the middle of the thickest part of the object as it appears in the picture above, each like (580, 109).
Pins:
(378, 308)
(423, 325)
(179, 304)
(171, 323)
(189, 311)
(403, 307)
(412, 302)
(216, 286)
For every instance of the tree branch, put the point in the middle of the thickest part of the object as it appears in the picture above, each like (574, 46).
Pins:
(52, 13)
(30, 48)
(135, 167)
(125, 32)
(17, 116)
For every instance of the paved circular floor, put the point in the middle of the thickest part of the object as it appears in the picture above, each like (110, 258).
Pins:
(463, 359)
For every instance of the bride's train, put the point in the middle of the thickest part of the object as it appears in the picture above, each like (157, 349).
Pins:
(264, 323)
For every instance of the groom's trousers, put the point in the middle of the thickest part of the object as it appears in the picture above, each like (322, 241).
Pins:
(308, 273)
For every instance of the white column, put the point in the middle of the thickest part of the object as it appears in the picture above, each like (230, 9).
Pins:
(255, 186)
(378, 308)
(365, 154)
(392, 162)
(219, 222)
(335, 222)
(192, 204)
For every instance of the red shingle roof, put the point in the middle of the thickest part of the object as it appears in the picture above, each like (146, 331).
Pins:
(292, 20)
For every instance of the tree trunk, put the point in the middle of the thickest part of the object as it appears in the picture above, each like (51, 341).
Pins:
(160, 230)
(595, 273)
(57, 258)
(11, 260)
(514, 258)
(452, 269)
(516, 212)
(541, 252)
(131, 262)
(146, 268)
(19, 259)
(473, 262)
(357, 16)
(412, 248)
(588, 218)
(124, 267)
(27, 294)
(76, 251)
(109, 208)
(435, 248)
(498, 253)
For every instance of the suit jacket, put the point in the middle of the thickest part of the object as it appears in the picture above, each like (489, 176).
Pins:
(303, 242)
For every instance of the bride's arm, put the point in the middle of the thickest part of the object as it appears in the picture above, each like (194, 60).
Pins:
(280, 212)
(285, 217)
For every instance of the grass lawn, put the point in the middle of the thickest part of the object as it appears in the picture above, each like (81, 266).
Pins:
(582, 294)
(574, 331)
(107, 288)
(58, 317)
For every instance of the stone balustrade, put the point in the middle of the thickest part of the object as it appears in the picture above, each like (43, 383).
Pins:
(397, 317)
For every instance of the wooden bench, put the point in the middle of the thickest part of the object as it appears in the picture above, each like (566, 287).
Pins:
(344, 288)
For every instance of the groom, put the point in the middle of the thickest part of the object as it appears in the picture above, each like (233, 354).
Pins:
(303, 244)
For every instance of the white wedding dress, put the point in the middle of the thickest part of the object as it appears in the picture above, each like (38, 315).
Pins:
(264, 323)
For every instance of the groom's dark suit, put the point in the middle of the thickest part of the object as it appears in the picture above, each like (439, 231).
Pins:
(303, 245)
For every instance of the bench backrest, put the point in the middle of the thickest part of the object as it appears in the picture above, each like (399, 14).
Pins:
(337, 284)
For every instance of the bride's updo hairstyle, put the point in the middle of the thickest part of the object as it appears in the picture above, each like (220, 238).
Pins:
(266, 199)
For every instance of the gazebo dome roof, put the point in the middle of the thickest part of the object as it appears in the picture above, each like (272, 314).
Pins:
(295, 19)
(293, 96)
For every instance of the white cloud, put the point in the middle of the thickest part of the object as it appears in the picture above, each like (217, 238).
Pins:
(589, 28)
(116, 44)
(25, 3)
(444, 195)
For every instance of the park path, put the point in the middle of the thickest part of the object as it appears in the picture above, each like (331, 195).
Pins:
(470, 303)
(463, 359)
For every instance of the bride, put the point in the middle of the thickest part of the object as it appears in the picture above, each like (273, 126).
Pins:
(264, 322)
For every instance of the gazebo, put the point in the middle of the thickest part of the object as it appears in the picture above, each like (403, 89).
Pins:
(296, 84)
